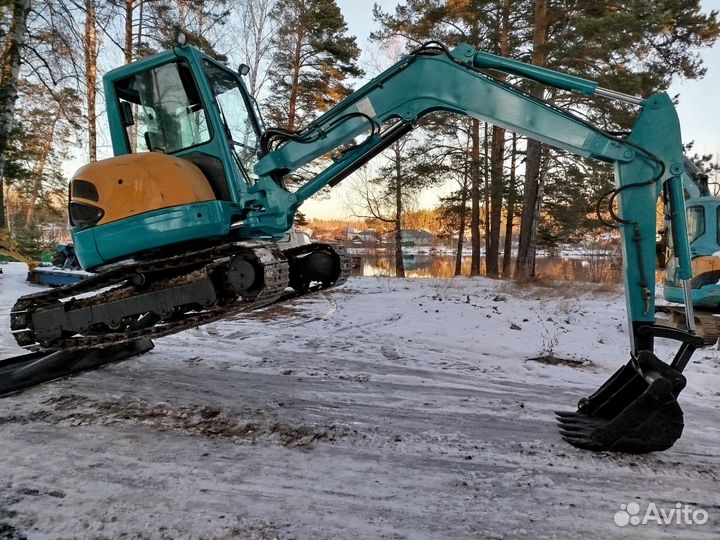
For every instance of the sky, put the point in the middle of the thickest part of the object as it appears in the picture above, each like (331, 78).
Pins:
(699, 116)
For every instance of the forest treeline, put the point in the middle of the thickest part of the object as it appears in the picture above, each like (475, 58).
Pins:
(303, 59)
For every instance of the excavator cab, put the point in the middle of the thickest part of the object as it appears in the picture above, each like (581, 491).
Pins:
(190, 107)
(185, 134)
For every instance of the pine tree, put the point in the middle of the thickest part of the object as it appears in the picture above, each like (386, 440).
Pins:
(636, 47)
(90, 49)
(300, 219)
(534, 167)
(313, 58)
(495, 26)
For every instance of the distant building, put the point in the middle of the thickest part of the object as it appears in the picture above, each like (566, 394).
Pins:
(412, 238)
(324, 235)
(367, 238)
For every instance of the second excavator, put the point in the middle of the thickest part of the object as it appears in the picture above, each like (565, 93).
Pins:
(703, 220)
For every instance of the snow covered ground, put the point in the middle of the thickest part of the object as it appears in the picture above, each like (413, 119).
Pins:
(386, 408)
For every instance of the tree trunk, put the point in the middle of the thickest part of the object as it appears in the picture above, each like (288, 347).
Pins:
(486, 187)
(463, 224)
(538, 206)
(399, 265)
(255, 25)
(497, 159)
(475, 198)
(292, 105)
(90, 43)
(40, 173)
(295, 81)
(497, 156)
(138, 41)
(525, 264)
(9, 71)
(533, 189)
(131, 130)
(510, 210)
(128, 30)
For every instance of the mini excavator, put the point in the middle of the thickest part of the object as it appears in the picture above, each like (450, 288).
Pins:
(180, 226)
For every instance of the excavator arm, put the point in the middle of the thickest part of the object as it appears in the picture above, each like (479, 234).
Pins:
(435, 79)
(636, 410)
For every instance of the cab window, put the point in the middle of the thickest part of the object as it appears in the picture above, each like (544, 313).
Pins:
(236, 115)
(161, 109)
(695, 222)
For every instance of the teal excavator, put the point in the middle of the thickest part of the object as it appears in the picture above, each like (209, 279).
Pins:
(180, 226)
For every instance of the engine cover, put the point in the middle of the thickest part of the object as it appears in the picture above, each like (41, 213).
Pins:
(120, 187)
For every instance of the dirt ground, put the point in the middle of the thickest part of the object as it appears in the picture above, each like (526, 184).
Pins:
(321, 421)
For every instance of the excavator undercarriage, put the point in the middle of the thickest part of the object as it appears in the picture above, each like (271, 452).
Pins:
(707, 323)
(146, 300)
(71, 329)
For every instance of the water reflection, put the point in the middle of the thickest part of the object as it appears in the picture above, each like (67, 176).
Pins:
(596, 269)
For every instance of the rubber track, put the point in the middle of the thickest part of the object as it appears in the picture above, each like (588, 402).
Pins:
(276, 280)
(343, 261)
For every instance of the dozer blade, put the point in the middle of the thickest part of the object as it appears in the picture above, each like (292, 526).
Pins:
(32, 369)
(635, 411)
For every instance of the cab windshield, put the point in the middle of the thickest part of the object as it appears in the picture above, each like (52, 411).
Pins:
(235, 113)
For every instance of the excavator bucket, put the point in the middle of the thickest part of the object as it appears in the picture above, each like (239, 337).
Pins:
(636, 411)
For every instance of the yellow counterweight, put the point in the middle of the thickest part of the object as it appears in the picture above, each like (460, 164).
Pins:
(132, 184)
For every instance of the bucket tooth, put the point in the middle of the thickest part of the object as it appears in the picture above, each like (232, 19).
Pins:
(635, 411)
